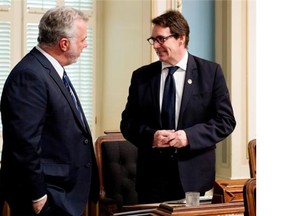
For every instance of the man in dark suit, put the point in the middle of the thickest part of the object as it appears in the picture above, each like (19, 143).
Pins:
(179, 158)
(48, 163)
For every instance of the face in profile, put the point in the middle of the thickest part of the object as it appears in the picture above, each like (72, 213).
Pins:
(78, 42)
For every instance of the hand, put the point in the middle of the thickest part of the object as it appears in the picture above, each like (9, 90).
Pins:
(37, 206)
(178, 140)
(162, 138)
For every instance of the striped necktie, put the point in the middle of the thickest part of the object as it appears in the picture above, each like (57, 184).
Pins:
(67, 84)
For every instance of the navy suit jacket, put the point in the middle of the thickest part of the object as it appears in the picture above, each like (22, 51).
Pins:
(206, 115)
(46, 147)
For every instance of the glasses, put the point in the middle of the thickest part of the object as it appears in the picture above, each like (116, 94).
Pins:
(159, 39)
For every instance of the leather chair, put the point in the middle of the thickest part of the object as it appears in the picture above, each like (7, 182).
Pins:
(249, 194)
(116, 159)
(252, 157)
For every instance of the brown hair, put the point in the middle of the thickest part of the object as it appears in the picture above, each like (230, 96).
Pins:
(176, 22)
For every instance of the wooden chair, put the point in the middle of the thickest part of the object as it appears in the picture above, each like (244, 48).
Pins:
(116, 160)
(4, 209)
(249, 194)
(252, 157)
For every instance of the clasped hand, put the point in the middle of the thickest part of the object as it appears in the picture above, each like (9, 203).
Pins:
(170, 138)
(37, 206)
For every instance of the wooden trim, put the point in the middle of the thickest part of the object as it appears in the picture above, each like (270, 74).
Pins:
(249, 193)
(202, 210)
(252, 157)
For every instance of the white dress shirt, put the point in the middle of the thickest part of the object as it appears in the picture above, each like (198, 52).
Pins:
(179, 77)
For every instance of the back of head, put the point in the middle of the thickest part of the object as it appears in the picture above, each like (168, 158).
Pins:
(176, 22)
(57, 23)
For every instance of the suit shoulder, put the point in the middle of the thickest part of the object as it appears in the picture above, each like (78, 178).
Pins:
(205, 66)
(28, 62)
(202, 61)
(149, 69)
(29, 67)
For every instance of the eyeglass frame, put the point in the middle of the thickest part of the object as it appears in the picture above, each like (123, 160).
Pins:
(159, 38)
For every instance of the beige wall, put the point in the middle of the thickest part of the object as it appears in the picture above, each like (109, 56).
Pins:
(235, 50)
(124, 27)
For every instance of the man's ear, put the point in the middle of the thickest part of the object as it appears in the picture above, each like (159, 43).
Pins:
(182, 39)
(64, 44)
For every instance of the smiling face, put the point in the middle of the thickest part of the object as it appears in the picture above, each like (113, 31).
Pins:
(172, 50)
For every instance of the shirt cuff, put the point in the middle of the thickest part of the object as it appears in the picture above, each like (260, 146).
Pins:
(37, 200)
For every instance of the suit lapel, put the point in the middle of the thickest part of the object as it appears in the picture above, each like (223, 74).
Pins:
(155, 89)
(189, 85)
(53, 73)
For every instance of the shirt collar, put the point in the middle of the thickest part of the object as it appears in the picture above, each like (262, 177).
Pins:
(53, 61)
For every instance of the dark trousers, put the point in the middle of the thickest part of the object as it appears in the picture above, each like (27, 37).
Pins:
(163, 183)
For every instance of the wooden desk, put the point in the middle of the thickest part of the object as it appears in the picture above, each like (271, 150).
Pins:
(223, 209)
(227, 201)
(227, 191)
(139, 209)
(205, 209)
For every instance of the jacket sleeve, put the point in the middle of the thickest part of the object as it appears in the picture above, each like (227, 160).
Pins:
(23, 107)
(214, 119)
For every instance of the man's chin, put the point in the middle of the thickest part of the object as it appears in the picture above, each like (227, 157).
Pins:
(161, 55)
(73, 60)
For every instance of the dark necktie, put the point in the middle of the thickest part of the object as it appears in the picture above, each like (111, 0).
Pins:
(67, 84)
(169, 98)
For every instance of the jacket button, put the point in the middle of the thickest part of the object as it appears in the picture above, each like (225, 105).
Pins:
(88, 165)
(86, 141)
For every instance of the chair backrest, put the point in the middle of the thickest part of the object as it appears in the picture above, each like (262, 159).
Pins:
(249, 194)
(116, 159)
(252, 157)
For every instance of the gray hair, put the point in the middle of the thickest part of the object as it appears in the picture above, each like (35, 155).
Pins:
(57, 23)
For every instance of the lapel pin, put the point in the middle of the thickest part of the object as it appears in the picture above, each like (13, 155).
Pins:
(189, 81)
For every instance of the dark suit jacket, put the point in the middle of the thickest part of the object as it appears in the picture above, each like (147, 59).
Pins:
(206, 115)
(46, 148)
